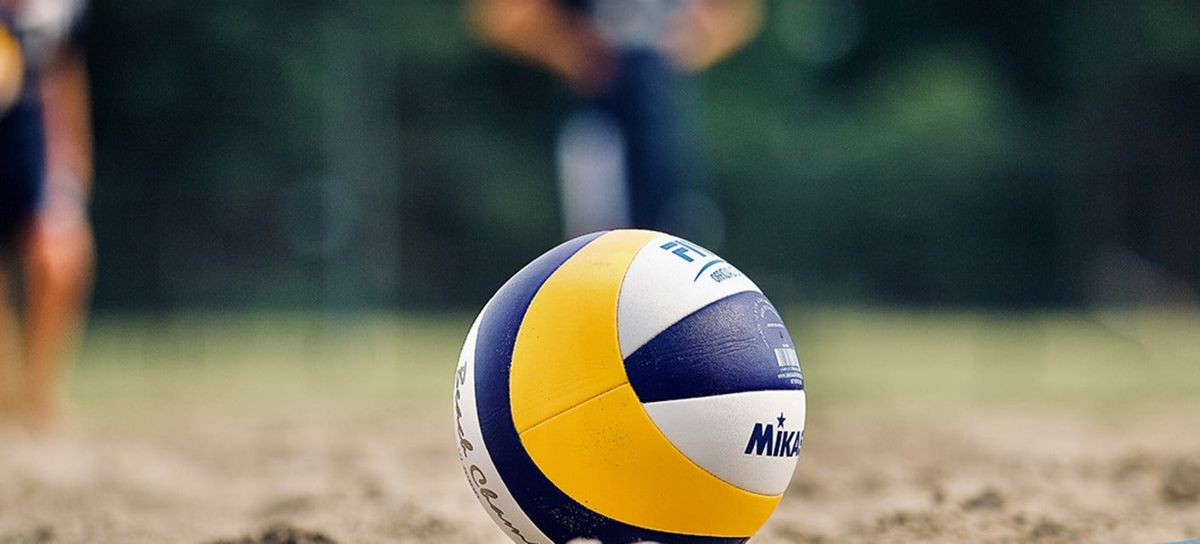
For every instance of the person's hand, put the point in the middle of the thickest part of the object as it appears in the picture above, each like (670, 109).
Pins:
(552, 35)
(588, 63)
(703, 32)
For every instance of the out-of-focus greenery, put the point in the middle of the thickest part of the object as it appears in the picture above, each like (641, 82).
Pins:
(372, 154)
(880, 361)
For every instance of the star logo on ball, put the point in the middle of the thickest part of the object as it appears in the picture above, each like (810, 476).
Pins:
(781, 419)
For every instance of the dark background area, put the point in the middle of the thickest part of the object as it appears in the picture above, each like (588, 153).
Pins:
(340, 155)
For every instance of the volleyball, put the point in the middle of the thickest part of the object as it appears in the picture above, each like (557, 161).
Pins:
(629, 386)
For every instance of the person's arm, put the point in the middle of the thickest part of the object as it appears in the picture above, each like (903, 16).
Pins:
(706, 31)
(64, 93)
(544, 32)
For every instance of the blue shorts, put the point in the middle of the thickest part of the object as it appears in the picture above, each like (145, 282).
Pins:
(652, 104)
(22, 166)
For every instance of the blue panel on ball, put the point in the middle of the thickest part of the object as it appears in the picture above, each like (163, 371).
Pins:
(733, 345)
(555, 514)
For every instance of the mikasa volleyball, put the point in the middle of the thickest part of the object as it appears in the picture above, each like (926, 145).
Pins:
(629, 386)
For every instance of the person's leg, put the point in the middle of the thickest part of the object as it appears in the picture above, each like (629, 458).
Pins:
(58, 255)
(669, 183)
(10, 351)
(592, 173)
(21, 166)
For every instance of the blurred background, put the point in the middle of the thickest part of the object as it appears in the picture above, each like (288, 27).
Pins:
(374, 155)
(979, 220)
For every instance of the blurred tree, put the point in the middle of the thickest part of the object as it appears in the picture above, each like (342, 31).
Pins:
(340, 155)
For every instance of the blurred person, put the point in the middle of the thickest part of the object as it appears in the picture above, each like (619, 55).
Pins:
(630, 155)
(45, 178)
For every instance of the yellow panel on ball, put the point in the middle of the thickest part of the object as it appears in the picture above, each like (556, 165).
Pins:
(608, 455)
(584, 427)
(566, 350)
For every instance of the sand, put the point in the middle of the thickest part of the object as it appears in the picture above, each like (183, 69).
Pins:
(270, 474)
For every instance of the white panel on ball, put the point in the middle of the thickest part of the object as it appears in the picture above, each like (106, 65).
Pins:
(476, 461)
(738, 437)
(666, 284)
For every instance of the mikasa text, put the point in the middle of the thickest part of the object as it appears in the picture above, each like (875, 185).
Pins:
(766, 440)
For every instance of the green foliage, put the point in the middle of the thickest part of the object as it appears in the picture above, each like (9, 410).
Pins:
(320, 153)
